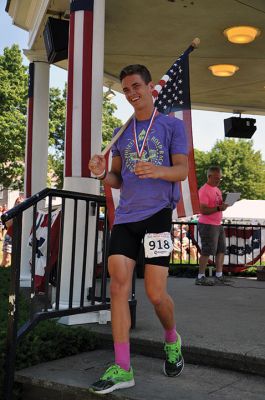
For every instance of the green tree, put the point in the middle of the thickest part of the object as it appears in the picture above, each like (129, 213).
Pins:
(57, 129)
(57, 110)
(57, 115)
(13, 105)
(243, 168)
(202, 162)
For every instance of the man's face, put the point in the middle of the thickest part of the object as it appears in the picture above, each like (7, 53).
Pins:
(137, 92)
(214, 178)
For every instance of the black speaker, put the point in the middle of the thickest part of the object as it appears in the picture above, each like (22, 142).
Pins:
(239, 127)
(56, 39)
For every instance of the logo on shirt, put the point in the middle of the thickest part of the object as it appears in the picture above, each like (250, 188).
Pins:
(153, 151)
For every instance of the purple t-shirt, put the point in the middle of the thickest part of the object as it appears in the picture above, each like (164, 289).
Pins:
(141, 198)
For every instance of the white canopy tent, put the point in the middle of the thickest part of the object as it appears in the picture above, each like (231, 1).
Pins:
(251, 211)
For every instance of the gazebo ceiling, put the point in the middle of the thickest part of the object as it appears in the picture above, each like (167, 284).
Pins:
(155, 32)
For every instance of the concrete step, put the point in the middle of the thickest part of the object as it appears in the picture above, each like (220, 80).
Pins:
(252, 362)
(69, 379)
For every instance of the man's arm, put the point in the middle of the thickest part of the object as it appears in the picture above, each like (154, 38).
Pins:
(210, 210)
(97, 166)
(177, 172)
(113, 177)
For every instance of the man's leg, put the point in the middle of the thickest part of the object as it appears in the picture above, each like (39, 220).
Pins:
(203, 260)
(121, 272)
(208, 245)
(156, 290)
(219, 262)
(201, 278)
(119, 375)
(220, 279)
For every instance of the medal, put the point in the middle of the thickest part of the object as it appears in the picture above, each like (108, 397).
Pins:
(138, 149)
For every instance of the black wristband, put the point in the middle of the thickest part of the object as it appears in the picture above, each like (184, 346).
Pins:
(218, 208)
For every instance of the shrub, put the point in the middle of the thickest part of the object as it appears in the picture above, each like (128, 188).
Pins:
(46, 342)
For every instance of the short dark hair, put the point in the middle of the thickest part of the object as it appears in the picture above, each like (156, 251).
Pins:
(212, 169)
(136, 69)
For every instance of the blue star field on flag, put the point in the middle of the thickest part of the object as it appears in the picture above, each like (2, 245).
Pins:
(173, 91)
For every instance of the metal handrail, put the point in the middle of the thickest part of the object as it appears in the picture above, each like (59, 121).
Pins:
(97, 302)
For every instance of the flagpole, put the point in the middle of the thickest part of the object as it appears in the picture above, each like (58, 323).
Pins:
(116, 137)
(194, 45)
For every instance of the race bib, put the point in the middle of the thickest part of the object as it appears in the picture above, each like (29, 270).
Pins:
(157, 244)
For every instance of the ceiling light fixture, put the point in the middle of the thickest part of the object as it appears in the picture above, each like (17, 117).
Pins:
(241, 34)
(223, 70)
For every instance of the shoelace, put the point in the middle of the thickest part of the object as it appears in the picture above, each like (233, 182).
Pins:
(172, 352)
(112, 370)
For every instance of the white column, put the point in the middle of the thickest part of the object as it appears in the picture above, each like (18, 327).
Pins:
(36, 151)
(83, 136)
(40, 127)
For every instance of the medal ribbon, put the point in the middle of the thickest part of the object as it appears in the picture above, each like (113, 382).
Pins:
(140, 151)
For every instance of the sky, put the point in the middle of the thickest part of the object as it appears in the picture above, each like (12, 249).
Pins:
(207, 126)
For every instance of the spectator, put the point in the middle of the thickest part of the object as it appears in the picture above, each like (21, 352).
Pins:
(183, 248)
(187, 245)
(210, 229)
(3, 227)
(178, 253)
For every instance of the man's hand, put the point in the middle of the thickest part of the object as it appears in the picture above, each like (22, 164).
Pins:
(97, 165)
(223, 207)
(144, 169)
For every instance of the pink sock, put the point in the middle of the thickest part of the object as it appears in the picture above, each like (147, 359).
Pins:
(122, 355)
(170, 335)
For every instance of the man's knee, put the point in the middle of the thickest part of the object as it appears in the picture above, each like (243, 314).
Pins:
(155, 296)
(119, 288)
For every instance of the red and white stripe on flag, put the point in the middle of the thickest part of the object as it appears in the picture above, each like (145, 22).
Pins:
(188, 204)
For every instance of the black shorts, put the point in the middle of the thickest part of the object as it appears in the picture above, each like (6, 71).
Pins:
(126, 239)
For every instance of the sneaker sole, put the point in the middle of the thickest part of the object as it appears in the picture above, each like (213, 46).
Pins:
(204, 284)
(223, 284)
(122, 385)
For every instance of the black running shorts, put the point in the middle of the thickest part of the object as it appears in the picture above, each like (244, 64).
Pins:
(126, 238)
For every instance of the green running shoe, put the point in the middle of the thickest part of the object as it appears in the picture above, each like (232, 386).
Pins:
(174, 363)
(114, 378)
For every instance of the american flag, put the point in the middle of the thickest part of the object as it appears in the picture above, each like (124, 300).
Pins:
(172, 96)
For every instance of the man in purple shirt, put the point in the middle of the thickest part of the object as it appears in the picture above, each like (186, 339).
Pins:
(148, 159)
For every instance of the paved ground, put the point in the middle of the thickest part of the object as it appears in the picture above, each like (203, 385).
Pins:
(221, 323)
(221, 327)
